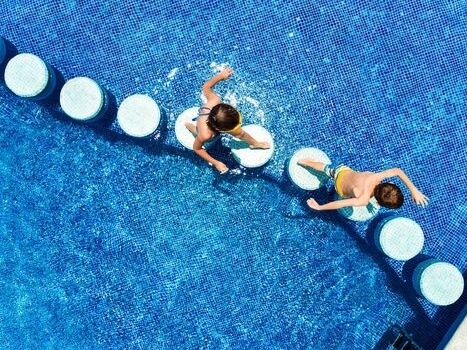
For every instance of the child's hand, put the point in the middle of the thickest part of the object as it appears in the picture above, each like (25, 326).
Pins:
(261, 145)
(419, 198)
(221, 167)
(225, 73)
(313, 204)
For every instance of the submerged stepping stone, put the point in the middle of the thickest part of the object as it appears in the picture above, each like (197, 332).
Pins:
(252, 158)
(399, 238)
(26, 75)
(139, 116)
(83, 99)
(184, 136)
(441, 283)
(307, 178)
(362, 213)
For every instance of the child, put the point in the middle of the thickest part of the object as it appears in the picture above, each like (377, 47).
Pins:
(214, 118)
(358, 187)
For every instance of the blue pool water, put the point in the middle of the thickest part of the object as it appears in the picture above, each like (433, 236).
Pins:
(108, 243)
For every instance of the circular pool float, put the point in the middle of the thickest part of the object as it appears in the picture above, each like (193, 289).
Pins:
(399, 238)
(83, 99)
(307, 178)
(248, 157)
(139, 116)
(27, 75)
(441, 283)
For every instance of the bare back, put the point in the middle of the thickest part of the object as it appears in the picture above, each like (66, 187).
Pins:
(204, 134)
(355, 184)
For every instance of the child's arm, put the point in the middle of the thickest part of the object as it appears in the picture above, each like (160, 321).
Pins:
(199, 150)
(211, 96)
(211, 100)
(244, 136)
(342, 203)
(417, 196)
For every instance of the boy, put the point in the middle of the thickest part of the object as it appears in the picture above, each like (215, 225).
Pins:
(214, 118)
(358, 187)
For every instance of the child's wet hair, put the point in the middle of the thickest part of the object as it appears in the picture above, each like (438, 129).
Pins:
(223, 117)
(389, 195)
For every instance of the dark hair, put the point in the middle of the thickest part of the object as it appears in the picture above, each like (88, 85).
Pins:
(223, 117)
(389, 195)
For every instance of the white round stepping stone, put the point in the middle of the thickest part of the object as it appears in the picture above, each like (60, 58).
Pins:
(2, 50)
(307, 178)
(138, 115)
(361, 213)
(82, 99)
(184, 136)
(252, 158)
(399, 238)
(26, 75)
(441, 283)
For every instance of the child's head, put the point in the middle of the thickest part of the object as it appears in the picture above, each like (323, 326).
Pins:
(388, 195)
(224, 118)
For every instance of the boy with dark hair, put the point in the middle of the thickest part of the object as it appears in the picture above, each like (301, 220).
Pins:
(357, 188)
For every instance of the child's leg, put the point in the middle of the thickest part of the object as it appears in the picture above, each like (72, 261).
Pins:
(192, 128)
(309, 163)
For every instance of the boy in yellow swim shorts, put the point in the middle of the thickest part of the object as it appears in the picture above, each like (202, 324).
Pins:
(357, 188)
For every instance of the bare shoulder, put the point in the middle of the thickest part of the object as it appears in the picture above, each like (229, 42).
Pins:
(364, 183)
(204, 133)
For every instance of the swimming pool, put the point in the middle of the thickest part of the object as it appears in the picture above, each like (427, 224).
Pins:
(111, 243)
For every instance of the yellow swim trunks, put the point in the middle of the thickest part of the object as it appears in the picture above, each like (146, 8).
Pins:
(336, 175)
